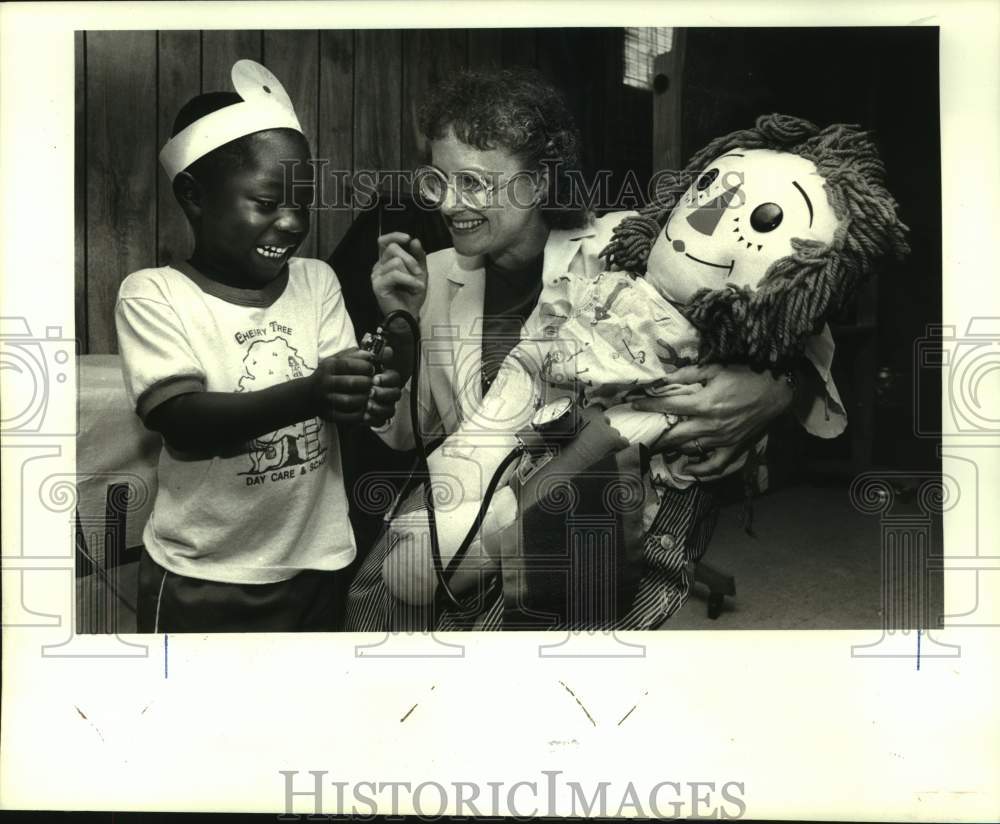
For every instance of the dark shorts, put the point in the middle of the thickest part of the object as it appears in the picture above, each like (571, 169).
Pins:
(312, 601)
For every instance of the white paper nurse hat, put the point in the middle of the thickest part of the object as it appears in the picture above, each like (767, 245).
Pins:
(265, 105)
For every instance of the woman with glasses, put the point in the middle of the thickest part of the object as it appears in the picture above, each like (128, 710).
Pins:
(503, 155)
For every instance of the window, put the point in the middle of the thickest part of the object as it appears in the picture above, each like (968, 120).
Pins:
(641, 48)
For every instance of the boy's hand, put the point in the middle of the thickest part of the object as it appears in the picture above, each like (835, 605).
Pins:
(399, 277)
(341, 385)
(386, 391)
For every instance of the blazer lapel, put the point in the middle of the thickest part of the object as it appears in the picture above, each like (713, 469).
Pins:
(560, 252)
(561, 248)
(468, 278)
(466, 315)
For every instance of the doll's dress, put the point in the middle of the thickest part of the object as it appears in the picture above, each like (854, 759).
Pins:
(610, 338)
(614, 332)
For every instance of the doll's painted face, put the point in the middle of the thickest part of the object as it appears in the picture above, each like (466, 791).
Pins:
(737, 218)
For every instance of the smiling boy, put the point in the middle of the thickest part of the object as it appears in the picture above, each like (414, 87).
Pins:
(241, 358)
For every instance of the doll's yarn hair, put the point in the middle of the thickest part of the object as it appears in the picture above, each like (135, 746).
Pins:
(767, 327)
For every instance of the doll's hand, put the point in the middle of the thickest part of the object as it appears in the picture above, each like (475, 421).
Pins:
(724, 419)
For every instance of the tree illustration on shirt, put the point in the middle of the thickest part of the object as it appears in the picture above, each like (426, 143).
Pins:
(268, 363)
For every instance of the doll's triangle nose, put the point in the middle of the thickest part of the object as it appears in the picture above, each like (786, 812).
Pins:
(705, 218)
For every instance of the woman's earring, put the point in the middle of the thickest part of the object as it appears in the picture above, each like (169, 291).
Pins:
(541, 188)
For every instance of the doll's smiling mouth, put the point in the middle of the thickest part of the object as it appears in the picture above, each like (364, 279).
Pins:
(678, 246)
(728, 267)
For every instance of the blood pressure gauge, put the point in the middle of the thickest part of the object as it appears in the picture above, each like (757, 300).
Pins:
(552, 425)
(555, 419)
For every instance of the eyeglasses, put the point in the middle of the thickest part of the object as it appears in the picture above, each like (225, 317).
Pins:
(472, 189)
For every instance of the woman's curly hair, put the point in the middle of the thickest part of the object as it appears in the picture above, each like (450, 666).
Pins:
(767, 327)
(518, 111)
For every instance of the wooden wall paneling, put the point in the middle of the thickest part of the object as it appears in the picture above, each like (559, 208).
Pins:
(567, 57)
(80, 190)
(121, 186)
(584, 80)
(485, 48)
(178, 80)
(219, 50)
(571, 60)
(518, 47)
(553, 58)
(429, 56)
(377, 106)
(668, 83)
(613, 128)
(293, 56)
(564, 57)
(335, 141)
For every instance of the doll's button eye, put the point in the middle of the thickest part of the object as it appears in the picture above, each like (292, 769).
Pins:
(706, 180)
(766, 217)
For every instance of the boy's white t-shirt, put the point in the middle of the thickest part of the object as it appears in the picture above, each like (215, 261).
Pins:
(267, 509)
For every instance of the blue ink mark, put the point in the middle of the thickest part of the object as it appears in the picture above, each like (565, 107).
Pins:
(918, 650)
(166, 638)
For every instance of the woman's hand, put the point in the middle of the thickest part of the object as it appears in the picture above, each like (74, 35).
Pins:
(725, 418)
(399, 276)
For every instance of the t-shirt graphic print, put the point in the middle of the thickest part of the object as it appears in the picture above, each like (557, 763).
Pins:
(267, 363)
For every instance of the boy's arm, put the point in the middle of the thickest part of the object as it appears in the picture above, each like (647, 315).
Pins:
(165, 379)
(217, 422)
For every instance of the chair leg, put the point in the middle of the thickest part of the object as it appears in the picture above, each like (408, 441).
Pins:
(719, 584)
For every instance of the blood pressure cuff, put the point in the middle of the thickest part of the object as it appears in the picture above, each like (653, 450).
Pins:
(573, 558)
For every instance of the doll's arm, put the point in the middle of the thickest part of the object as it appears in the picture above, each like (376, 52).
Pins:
(648, 427)
(817, 402)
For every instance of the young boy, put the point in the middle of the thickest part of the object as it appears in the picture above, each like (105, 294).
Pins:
(242, 358)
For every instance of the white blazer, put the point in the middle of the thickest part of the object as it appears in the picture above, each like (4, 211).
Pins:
(452, 337)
